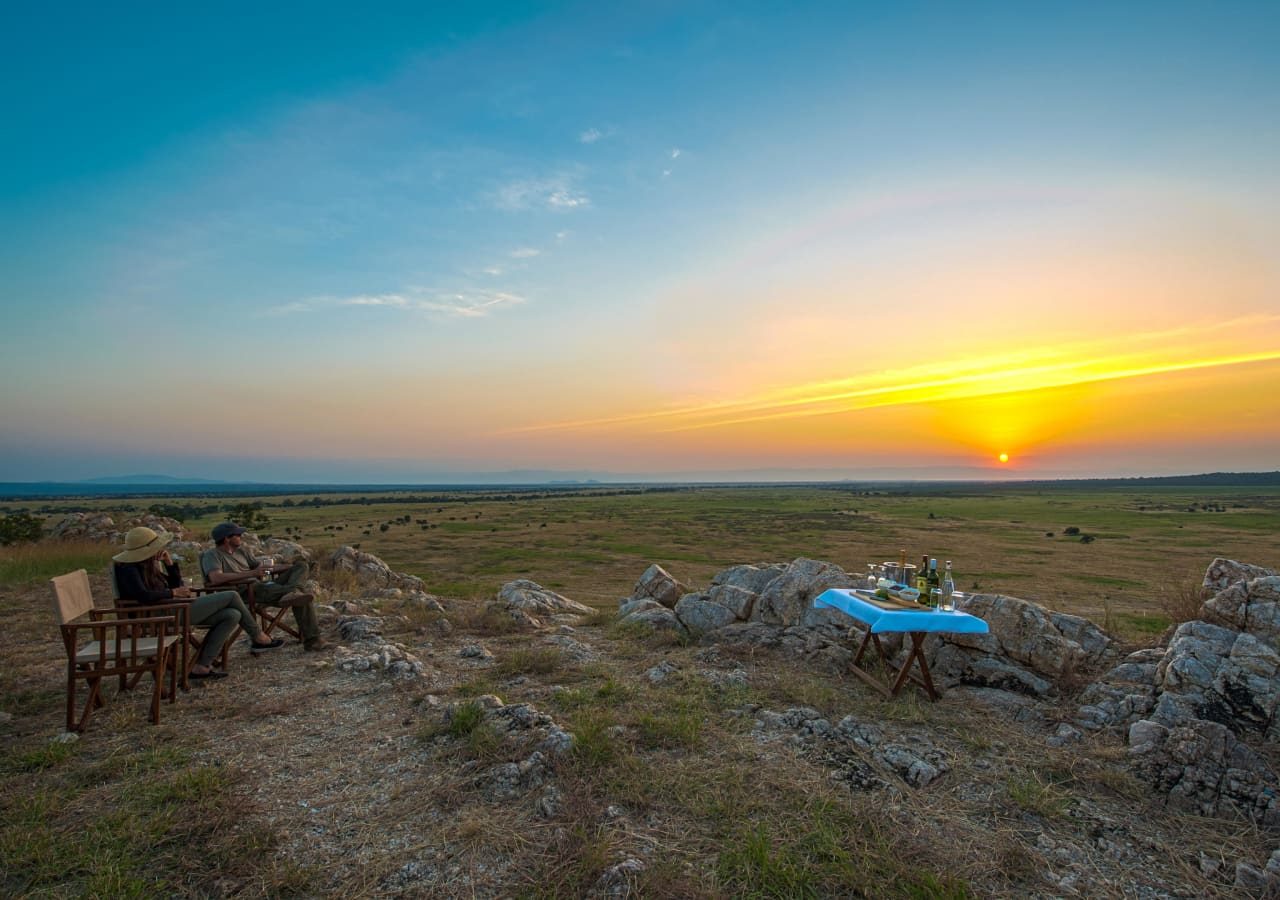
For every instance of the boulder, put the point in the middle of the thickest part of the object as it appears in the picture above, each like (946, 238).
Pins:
(1251, 605)
(738, 600)
(752, 579)
(657, 618)
(370, 571)
(537, 600)
(84, 527)
(786, 598)
(1222, 573)
(658, 584)
(700, 615)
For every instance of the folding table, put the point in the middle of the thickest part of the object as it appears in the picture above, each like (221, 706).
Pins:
(896, 617)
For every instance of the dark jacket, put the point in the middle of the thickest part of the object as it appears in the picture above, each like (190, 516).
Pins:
(133, 587)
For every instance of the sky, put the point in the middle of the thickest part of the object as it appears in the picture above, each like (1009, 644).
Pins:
(712, 241)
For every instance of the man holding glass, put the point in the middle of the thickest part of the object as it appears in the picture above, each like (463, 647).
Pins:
(228, 561)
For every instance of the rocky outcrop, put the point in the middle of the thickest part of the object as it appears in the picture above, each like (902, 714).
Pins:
(787, 598)
(1251, 605)
(521, 725)
(371, 652)
(1222, 573)
(752, 579)
(658, 584)
(533, 606)
(370, 571)
(1028, 648)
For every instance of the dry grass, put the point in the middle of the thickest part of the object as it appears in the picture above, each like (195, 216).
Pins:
(1181, 598)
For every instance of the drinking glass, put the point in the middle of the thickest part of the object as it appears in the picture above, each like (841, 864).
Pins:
(935, 598)
(268, 561)
(948, 601)
(188, 582)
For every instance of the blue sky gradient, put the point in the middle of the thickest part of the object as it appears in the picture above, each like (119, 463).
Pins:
(465, 223)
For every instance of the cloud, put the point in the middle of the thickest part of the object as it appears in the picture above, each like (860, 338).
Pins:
(525, 253)
(462, 304)
(493, 270)
(591, 135)
(558, 192)
(675, 152)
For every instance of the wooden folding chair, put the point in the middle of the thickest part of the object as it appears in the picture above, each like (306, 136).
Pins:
(125, 646)
(192, 643)
(268, 616)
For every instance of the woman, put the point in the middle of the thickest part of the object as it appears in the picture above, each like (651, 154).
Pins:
(146, 574)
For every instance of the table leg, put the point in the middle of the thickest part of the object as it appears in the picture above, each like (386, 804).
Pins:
(916, 656)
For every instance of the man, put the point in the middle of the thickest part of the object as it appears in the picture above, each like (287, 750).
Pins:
(228, 562)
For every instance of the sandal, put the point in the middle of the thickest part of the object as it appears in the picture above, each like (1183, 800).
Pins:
(275, 642)
(212, 673)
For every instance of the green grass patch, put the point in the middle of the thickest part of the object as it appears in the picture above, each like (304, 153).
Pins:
(1036, 795)
(529, 661)
(22, 564)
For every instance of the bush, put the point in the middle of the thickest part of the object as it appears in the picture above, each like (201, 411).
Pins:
(20, 528)
(1071, 529)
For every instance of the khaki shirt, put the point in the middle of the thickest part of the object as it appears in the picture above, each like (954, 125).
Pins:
(216, 560)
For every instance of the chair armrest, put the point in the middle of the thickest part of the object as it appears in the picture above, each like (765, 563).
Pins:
(103, 623)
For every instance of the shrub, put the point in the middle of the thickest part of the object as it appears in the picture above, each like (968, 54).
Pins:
(1071, 529)
(20, 528)
(1180, 599)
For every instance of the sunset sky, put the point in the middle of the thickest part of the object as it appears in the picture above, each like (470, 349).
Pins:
(650, 240)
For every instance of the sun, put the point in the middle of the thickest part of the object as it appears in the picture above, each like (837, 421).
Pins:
(1004, 457)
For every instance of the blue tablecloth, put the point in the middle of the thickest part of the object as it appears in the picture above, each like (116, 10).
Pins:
(884, 621)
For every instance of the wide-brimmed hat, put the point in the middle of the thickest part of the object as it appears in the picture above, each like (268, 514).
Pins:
(142, 543)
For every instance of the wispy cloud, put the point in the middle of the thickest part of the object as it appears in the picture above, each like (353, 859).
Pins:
(558, 192)
(525, 253)
(1020, 371)
(591, 135)
(675, 152)
(463, 304)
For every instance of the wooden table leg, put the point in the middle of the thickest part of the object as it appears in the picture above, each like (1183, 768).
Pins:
(916, 657)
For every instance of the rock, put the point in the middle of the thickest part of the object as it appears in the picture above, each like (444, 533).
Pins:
(1252, 606)
(475, 651)
(1027, 634)
(656, 618)
(657, 584)
(548, 805)
(84, 527)
(1222, 573)
(391, 658)
(359, 628)
(66, 737)
(628, 606)
(752, 579)
(659, 673)
(509, 780)
(574, 650)
(1256, 882)
(370, 571)
(737, 600)
(1065, 736)
(620, 880)
(537, 600)
(283, 550)
(787, 598)
(700, 615)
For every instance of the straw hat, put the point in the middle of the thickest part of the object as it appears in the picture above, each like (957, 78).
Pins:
(142, 543)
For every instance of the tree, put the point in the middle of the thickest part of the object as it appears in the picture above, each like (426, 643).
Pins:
(249, 516)
(18, 528)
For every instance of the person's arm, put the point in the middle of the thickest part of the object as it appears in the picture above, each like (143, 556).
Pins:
(214, 574)
(129, 583)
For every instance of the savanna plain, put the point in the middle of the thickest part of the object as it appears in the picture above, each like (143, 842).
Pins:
(293, 778)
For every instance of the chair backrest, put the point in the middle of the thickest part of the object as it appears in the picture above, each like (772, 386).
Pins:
(72, 597)
(115, 584)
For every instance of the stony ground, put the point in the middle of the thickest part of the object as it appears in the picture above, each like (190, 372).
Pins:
(694, 771)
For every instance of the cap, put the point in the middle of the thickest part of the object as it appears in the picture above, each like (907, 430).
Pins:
(225, 530)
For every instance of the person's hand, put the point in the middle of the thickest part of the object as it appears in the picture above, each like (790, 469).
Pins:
(183, 593)
(166, 558)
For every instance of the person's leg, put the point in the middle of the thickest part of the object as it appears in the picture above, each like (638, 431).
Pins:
(270, 593)
(203, 608)
(305, 615)
(222, 623)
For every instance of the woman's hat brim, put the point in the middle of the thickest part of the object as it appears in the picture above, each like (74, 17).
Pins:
(148, 550)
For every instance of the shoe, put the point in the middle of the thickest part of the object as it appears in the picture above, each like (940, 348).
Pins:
(315, 645)
(276, 642)
(296, 598)
(212, 673)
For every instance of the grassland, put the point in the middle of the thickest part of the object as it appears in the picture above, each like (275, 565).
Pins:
(1133, 545)
(293, 778)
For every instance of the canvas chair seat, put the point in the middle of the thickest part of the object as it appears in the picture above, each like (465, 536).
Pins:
(123, 644)
(145, 646)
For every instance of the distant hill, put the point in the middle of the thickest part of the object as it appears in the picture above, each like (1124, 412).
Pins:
(148, 479)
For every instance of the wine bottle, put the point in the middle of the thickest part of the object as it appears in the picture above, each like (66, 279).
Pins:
(922, 577)
(933, 574)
